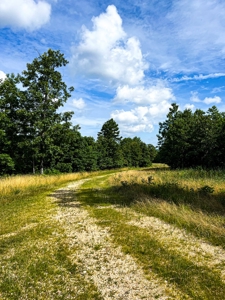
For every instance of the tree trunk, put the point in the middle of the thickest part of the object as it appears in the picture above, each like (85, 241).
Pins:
(42, 167)
(33, 167)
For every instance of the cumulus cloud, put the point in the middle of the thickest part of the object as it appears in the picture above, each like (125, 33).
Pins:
(210, 100)
(27, 14)
(107, 53)
(141, 118)
(207, 100)
(2, 75)
(153, 104)
(142, 95)
(79, 103)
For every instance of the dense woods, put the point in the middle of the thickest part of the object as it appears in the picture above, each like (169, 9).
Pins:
(35, 137)
(192, 139)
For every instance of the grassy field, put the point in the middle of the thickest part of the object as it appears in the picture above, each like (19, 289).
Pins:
(171, 222)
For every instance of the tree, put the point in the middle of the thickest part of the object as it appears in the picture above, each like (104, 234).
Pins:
(10, 129)
(44, 92)
(135, 152)
(152, 151)
(189, 139)
(108, 145)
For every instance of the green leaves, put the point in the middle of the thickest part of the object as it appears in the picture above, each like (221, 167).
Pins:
(188, 139)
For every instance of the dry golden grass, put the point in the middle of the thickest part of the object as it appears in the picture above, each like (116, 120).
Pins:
(9, 185)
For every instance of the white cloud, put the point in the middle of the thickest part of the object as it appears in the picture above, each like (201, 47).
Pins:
(79, 103)
(189, 106)
(106, 51)
(207, 100)
(2, 75)
(142, 95)
(198, 77)
(122, 116)
(27, 14)
(218, 89)
(210, 100)
(127, 129)
(141, 118)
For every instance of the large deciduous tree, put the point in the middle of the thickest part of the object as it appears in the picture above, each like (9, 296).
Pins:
(44, 92)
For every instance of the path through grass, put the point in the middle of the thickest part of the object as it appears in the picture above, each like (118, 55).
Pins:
(112, 237)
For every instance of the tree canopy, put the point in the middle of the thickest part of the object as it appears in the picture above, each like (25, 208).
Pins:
(35, 137)
(192, 139)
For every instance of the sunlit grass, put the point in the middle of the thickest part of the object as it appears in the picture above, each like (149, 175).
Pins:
(190, 199)
(182, 202)
(34, 252)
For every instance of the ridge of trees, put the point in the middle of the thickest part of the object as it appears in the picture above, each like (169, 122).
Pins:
(34, 136)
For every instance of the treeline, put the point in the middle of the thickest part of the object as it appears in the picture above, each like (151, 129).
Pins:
(192, 139)
(35, 137)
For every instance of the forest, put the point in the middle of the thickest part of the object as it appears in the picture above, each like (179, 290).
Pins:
(192, 139)
(36, 138)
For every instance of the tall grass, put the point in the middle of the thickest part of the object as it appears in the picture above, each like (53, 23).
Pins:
(14, 187)
(190, 199)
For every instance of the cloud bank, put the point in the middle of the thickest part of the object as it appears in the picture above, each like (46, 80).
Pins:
(24, 14)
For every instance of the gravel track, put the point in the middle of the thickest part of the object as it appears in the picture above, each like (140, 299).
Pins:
(115, 274)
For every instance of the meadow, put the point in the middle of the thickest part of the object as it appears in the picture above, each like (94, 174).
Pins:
(171, 222)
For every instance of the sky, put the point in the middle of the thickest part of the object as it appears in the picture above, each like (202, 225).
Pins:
(128, 60)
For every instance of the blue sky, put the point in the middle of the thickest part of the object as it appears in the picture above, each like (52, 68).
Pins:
(128, 60)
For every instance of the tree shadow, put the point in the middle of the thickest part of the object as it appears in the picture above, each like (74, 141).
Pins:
(128, 194)
(65, 198)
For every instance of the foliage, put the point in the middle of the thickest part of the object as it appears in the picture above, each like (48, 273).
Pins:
(6, 164)
(192, 139)
(36, 137)
(108, 145)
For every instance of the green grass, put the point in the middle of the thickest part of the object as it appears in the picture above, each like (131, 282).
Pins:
(199, 213)
(189, 278)
(34, 252)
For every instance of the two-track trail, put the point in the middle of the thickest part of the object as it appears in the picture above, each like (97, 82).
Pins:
(118, 275)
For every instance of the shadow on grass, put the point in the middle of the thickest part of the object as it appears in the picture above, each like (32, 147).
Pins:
(155, 169)
(127, 194)
(65, 198)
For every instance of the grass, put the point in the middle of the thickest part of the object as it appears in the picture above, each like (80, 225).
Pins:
(177, 199)
(191, 279)
(34, 250)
